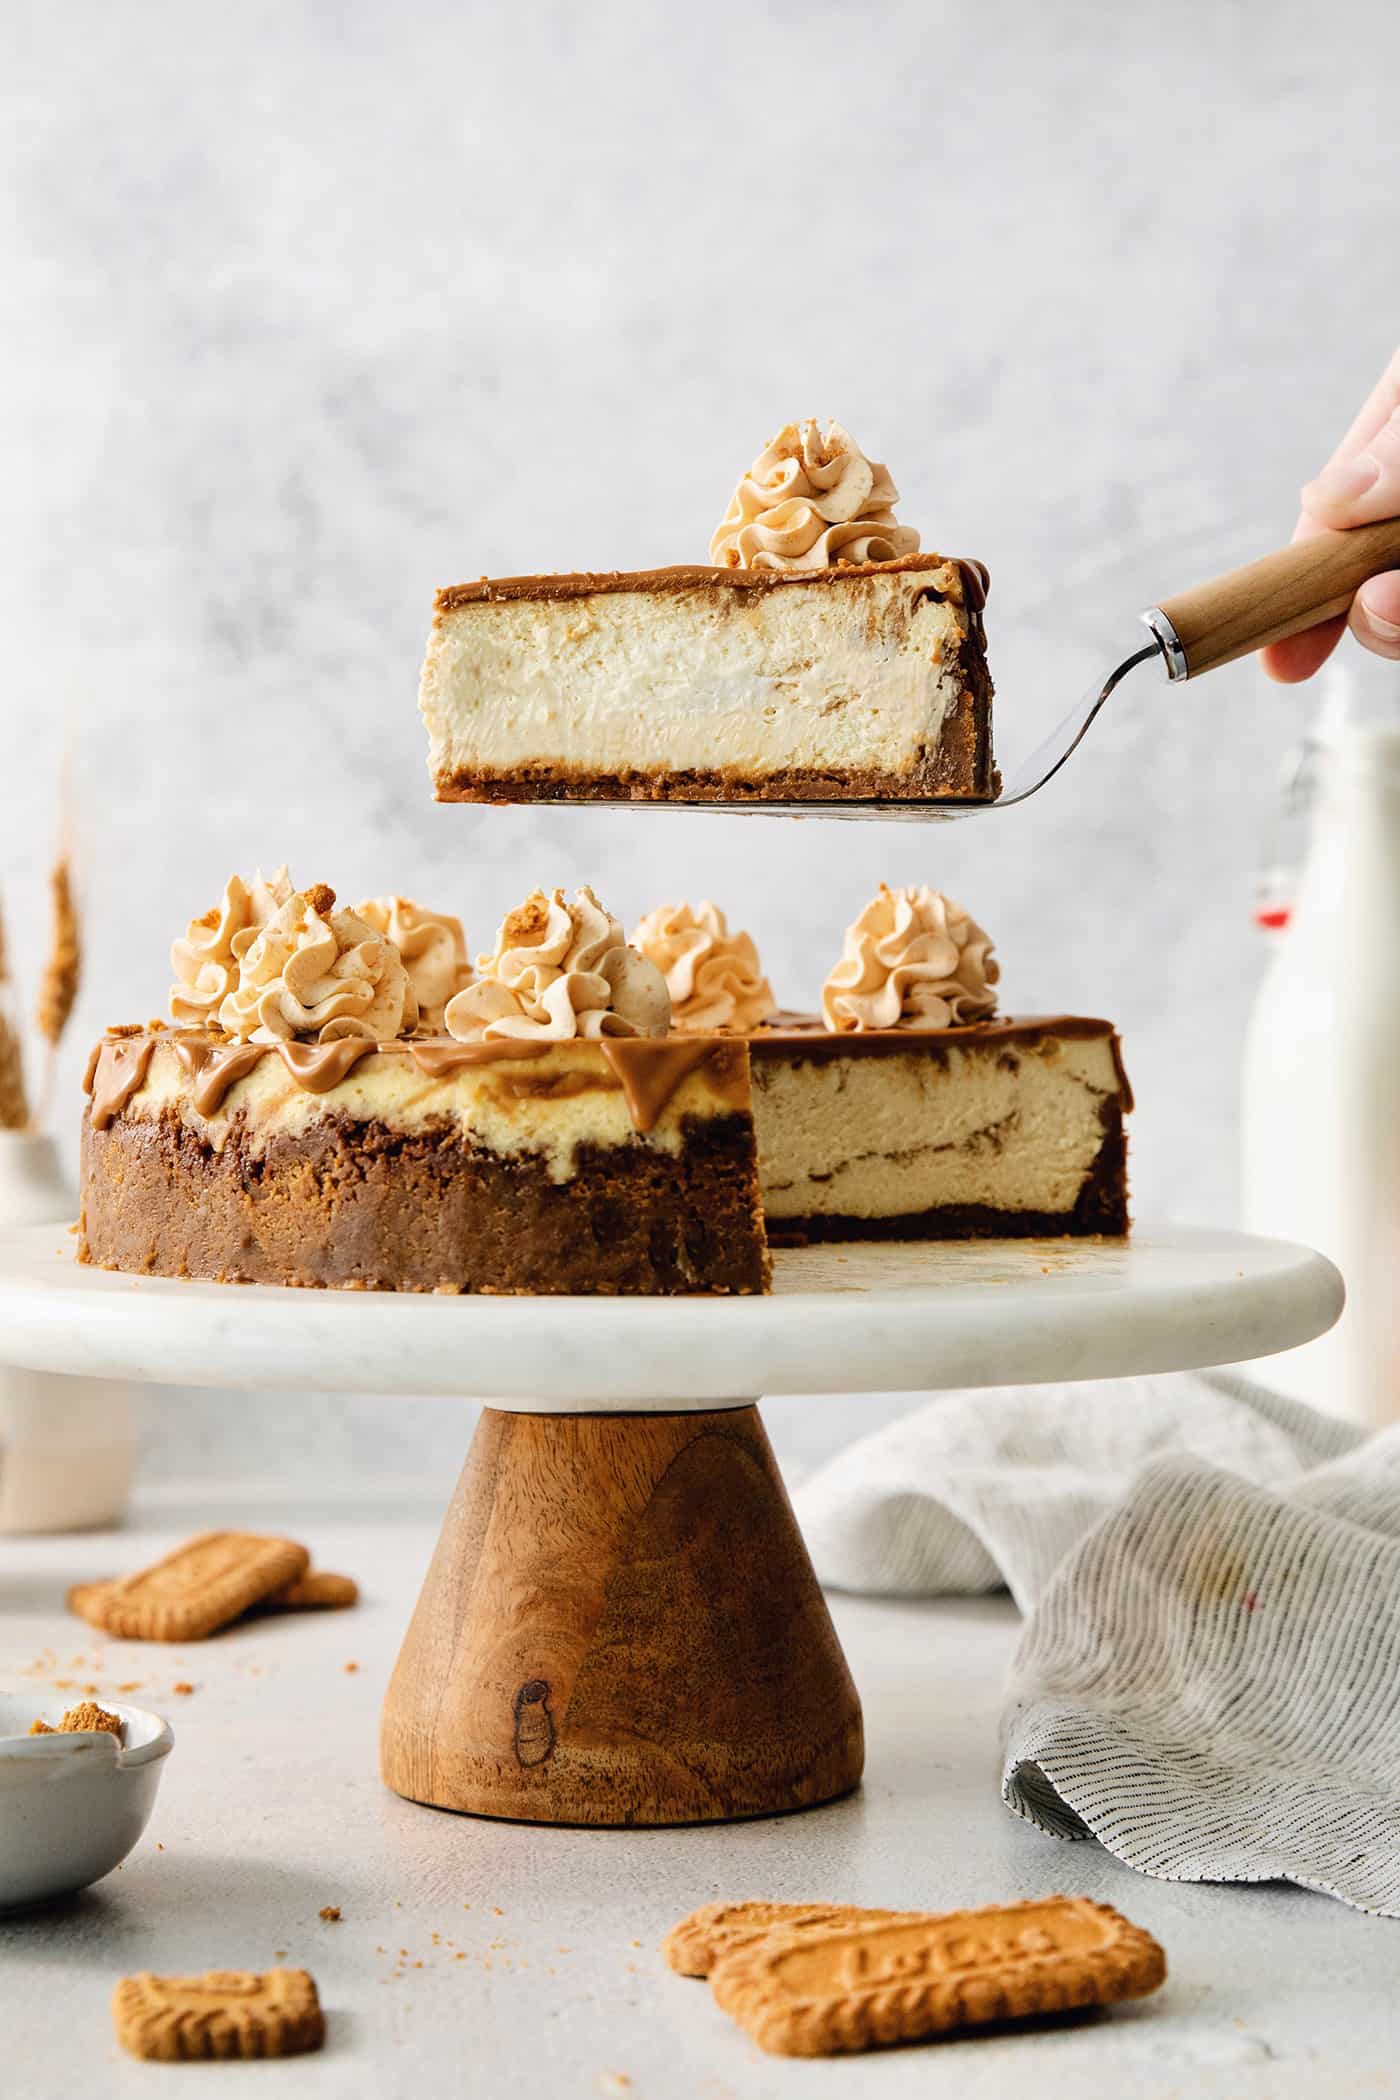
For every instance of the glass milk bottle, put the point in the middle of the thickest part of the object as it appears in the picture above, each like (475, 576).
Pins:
(1321, 1106)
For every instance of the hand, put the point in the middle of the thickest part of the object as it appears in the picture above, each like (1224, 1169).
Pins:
(1359, 484)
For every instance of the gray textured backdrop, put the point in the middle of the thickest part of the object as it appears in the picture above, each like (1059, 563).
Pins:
(310, 308)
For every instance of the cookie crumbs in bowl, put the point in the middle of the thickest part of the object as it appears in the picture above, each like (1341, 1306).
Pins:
(83, 1720)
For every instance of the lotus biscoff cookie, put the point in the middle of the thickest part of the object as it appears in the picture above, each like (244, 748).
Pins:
(694, 1946)
(84, 1600)
(318, 1590)
(199, 1588)
(228, 2012)
(824, 1990)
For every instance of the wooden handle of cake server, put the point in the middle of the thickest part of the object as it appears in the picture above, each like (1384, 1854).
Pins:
(1270, 599)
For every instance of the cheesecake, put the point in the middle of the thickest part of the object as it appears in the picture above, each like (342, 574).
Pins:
(818, 657)
(580, 1112)
(557, 1136)
(908, 1108)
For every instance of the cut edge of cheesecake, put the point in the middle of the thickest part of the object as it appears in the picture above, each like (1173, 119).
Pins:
(959, 766)
(964, 1161)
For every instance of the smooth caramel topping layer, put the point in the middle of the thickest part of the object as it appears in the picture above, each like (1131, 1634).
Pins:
(320, 1066)
(221, 1070)
(119, 1072)
(690, 576)
(650, 1070)
(436, 1060)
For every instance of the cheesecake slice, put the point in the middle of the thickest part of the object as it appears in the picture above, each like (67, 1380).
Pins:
(819, 658)
(862, 682)
(996, 1129)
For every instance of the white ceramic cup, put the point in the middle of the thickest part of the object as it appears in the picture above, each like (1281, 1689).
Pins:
(68, 1446)
(71, 1806)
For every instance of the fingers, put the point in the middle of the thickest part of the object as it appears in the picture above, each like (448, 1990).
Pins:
(1380, 404)
(1290, 662)
(1359, 485)
(1359, 490)
(1375, 615)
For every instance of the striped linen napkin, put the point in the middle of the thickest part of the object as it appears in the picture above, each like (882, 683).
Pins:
(1208, 1681)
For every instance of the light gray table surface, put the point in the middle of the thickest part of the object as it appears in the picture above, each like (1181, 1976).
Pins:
(513, 1962)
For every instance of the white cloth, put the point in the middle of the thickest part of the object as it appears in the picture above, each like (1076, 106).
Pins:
(1209, 1678)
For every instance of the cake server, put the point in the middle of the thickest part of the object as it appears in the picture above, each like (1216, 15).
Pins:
(1192, 633)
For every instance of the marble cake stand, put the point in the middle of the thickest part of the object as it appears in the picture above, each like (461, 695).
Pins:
(620, 1624)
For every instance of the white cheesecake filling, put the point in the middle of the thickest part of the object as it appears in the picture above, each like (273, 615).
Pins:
(1015, 1126)
(856, 675)
(499, 1107)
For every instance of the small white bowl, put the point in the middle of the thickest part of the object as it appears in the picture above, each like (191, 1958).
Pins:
(71, 1806)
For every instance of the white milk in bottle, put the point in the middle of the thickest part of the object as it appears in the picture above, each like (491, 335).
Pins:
(1321, 1106)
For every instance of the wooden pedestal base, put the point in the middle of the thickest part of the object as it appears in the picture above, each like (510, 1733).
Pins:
(621, 1625)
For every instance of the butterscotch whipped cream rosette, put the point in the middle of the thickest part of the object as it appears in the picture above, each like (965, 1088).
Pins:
(206, 960)
(809, 501)
(560, 970)
(913, 959)
(713, 976)
(434, 951)
(317, 974)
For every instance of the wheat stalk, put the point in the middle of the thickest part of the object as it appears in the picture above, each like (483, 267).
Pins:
(60, 985)
(14, 1102)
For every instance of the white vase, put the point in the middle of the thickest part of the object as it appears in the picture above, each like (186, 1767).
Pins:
(68, 1446)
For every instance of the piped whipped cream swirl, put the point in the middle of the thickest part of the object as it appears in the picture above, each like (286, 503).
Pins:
(434, 951)
(810, 500)
(712, 975)
(315, 974)
(560, 970)
(205, 962)
(913, 959)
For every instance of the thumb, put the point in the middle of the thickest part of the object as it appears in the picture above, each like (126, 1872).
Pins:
(1375, 615)
(1361, 488)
